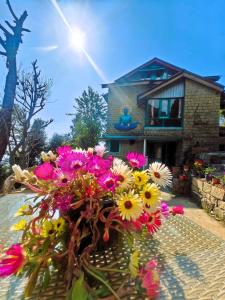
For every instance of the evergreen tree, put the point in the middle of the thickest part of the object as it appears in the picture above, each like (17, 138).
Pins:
(90, 119)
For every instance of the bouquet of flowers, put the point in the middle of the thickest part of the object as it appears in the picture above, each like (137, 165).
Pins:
(82, 199)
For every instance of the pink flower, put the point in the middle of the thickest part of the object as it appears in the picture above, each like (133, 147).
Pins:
(178, 210)
(165, 209)
(98, 166)
(150, 279)
(62, 202)
(63, 179)
(45, 171)
(108, 181)
(100, 149)
(136, 160)
(13, 262)
(72, 161)
(63, 149)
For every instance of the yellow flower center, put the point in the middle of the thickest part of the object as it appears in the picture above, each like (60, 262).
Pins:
(64, 180)
(109, 183)
(121, 178)
(139, 178)
(156, 174)
(128, 204)
(147, 195)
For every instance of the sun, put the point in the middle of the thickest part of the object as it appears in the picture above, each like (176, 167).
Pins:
(77, 39)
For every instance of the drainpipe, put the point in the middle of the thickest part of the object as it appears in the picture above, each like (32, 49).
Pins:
(145, 150)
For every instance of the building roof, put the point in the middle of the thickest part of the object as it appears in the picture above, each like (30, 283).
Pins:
(154, 64)
(177, 77)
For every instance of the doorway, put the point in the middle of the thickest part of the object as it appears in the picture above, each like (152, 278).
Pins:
(164, 152)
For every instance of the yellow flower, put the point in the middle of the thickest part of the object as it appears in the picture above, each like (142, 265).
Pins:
(47, 229)
(22, 210)
(140, 178)
(130, 206)
(21, 225)
(59, 225)
(150, 196)
(134, 263)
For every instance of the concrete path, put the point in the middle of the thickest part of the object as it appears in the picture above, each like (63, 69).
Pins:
(196, 214)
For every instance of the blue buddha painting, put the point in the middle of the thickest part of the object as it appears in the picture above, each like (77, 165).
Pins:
(125, 121)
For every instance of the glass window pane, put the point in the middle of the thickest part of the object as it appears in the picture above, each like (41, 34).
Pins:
(114, 146)
(164, 109)
(175, 108)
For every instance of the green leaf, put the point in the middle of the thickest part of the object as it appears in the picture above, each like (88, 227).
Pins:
(103, 291)
(32, 281)
(47, 278)
(79, 291)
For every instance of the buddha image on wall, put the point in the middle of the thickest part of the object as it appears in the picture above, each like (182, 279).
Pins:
(125, 121)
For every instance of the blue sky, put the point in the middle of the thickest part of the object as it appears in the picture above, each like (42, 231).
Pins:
(120, 35)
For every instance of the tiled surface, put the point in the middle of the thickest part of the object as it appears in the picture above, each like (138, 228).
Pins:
(191, 260)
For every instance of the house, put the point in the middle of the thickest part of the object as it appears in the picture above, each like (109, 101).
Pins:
(165, 112)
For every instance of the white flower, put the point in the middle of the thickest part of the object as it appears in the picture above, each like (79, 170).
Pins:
(123, 171)
(160, 174)
(50, 156)
(100, 149)
(19, 173)
(22, 175)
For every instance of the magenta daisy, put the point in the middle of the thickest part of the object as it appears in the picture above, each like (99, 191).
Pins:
(62, 202)
(45, 171)
(72, 161)
(165, 211)
(136, 160)
(63, 179)
(63, 149)
(98, 166)
(108, 181)
(12, 261)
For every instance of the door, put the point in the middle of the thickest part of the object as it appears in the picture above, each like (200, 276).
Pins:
(164, 152)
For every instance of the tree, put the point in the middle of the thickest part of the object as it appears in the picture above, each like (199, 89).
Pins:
(31, 97)
(36, 142)
(90, 119)
(10, 44)
(58, 140)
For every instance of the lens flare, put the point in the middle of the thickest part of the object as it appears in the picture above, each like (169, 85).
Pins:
(77, 41)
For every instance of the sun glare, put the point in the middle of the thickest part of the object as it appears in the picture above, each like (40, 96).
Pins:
(77, 39)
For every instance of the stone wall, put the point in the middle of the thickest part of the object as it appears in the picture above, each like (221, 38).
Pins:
(211, 197)
(201, 123)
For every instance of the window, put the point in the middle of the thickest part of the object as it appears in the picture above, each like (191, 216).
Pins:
(114, 146)
(164, 112)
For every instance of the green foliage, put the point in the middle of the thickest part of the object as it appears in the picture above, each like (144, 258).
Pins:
(37, 140)
(90, 119)
(58, 140)
(79, 291)
(209, 170)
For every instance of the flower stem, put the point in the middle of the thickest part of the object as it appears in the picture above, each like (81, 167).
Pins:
(102, 281)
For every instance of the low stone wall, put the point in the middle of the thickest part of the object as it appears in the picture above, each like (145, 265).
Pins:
(210, 197)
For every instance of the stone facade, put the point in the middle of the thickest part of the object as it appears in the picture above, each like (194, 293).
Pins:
(200, 123)
(210, 197)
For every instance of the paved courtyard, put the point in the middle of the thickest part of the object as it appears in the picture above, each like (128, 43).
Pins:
(191, 257)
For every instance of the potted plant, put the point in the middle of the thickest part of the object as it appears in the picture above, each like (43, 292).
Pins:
(82, 199)
(209, 171)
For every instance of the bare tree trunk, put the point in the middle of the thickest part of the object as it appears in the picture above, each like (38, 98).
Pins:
(10, 45)
(7, 107)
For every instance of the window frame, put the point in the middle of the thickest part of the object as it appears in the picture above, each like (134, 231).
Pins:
(119, 145)
(167, 117)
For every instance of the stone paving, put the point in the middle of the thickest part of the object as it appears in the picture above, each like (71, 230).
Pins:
(191, 258)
